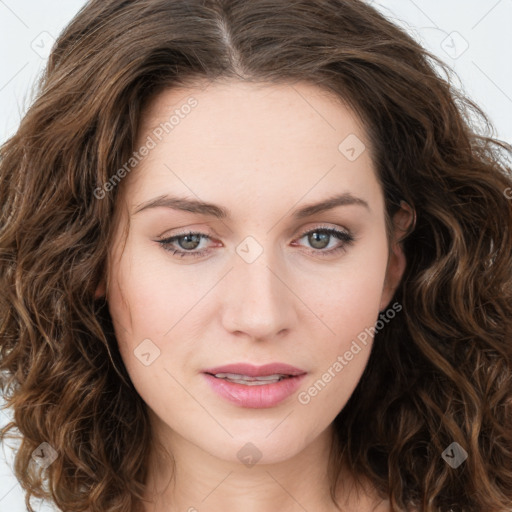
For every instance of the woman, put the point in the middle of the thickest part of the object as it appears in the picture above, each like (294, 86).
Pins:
(259, 259)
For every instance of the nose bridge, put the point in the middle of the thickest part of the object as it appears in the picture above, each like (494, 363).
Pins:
(257, 302)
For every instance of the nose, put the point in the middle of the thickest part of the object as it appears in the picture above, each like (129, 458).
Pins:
(258, 303)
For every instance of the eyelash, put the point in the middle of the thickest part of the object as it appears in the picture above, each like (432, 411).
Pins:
(343, 236)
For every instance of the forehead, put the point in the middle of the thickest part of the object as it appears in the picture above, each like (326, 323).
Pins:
(240, 137)
(256, 110)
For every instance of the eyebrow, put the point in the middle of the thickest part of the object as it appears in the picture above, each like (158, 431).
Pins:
(213, 210)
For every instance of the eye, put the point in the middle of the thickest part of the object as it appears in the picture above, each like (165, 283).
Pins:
(186, 244)
(321, 237)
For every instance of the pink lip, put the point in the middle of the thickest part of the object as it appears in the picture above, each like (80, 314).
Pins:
(259, 396)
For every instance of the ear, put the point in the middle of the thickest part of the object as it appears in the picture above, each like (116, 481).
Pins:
(100, 290)
(403, 222)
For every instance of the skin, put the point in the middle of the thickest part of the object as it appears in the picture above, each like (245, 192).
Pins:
(260, 151)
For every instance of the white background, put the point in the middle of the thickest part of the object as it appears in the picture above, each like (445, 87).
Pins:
(472, 36)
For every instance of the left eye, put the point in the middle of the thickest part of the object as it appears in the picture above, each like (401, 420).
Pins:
(319, 239)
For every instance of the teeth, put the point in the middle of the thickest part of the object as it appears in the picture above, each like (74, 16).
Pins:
(253, 382)
(237, 376)
(250, 381)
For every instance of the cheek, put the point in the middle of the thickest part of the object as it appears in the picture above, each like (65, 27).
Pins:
(136, 300)
(348, 297)
(348, 303)
(148, 301)
(146, 297)
(351, 310)
(339, 359)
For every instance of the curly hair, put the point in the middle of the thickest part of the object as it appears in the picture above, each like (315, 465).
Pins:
(440, 373)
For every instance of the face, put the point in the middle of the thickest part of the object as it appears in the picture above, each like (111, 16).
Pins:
(258, 276)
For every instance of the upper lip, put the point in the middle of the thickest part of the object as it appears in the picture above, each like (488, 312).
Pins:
(256, 371)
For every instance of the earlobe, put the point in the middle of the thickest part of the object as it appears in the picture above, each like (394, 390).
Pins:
(100, 290)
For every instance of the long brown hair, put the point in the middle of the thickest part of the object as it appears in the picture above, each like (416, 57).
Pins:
(439, 373)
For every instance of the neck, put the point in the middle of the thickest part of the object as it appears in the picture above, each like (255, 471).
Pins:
(195, 481)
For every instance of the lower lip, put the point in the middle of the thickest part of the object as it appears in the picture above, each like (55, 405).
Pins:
(258, 396)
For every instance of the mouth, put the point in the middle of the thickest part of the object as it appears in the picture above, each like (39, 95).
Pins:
(251, 386)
